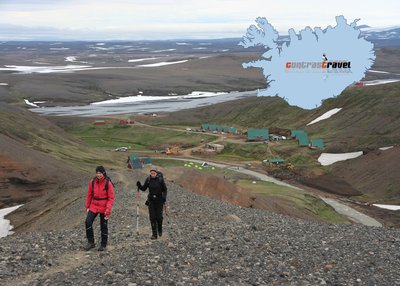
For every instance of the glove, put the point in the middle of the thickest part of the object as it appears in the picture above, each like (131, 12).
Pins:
(138, 184)
(163, 199)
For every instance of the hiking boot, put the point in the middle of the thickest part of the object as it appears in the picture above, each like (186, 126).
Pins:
(153, 237)
(89, 246)
(101, 248)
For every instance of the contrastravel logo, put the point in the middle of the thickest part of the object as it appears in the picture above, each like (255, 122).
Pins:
(324, 66)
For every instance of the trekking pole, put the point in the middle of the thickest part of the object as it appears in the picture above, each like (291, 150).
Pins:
(137, 210)
(168, 220)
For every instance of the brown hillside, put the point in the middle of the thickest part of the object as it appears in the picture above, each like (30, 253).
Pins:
(35, 155)
(26, 173)
(220, 189)
(375, 174)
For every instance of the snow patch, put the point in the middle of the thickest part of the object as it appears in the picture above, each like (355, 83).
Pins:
(59, 49)
(378, 71)
(329, 158)
(326, 115)
(140, 60)
(140, 97)
(55, 69)
(30, 103)
(163, 64)
(160, 51)
(70, 59)
(3, 83)
(42, 69)
(5, 226)
(385, 148)
(380, 81)
(388, 207)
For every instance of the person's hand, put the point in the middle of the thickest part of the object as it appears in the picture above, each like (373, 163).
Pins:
(138, 184)
(87, 210)
(164, 200)
(106, 214)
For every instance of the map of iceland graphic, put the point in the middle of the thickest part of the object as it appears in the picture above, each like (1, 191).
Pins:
(313, 64)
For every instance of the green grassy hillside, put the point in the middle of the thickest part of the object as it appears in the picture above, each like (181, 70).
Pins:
(39, 134)
(369, 116)
(248, 112)
(136, 137)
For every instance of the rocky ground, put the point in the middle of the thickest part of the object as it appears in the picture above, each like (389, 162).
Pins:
(206, 242)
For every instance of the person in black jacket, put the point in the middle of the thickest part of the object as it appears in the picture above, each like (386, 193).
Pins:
(155, 200)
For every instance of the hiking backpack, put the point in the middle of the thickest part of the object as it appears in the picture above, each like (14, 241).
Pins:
(159, 176)
(108, 180)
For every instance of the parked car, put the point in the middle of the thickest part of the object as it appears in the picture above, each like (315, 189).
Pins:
(121, 149)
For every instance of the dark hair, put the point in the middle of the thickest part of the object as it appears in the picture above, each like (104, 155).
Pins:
(100, 169)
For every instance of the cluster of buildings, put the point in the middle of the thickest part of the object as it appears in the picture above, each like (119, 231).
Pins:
(136, 162)
(263, 135)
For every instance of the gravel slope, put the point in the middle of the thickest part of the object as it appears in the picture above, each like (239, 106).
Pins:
(206, 242)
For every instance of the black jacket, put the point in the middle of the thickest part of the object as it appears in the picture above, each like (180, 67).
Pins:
(157, 188)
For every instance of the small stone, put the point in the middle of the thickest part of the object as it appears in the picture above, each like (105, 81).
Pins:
(328, 267)
(109, 273)
(222, 274)
(232, 218)
(207, 273)
(285, 274)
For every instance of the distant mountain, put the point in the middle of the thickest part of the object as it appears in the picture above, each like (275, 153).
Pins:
(381, 37)
(363, 26)
(388, 37)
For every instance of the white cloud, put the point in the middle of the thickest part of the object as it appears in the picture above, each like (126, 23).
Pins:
(163, 16)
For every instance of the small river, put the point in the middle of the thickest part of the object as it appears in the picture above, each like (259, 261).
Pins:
(140, 107)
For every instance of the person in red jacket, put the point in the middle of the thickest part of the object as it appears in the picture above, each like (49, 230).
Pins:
(99, 200)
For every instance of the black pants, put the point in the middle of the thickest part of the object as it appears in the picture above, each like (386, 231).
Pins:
(89, 228)
(156, 217)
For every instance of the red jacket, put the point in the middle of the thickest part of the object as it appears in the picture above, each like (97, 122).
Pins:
(99, 200)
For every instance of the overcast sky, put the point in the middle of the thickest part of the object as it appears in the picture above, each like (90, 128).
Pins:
(178, 19)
